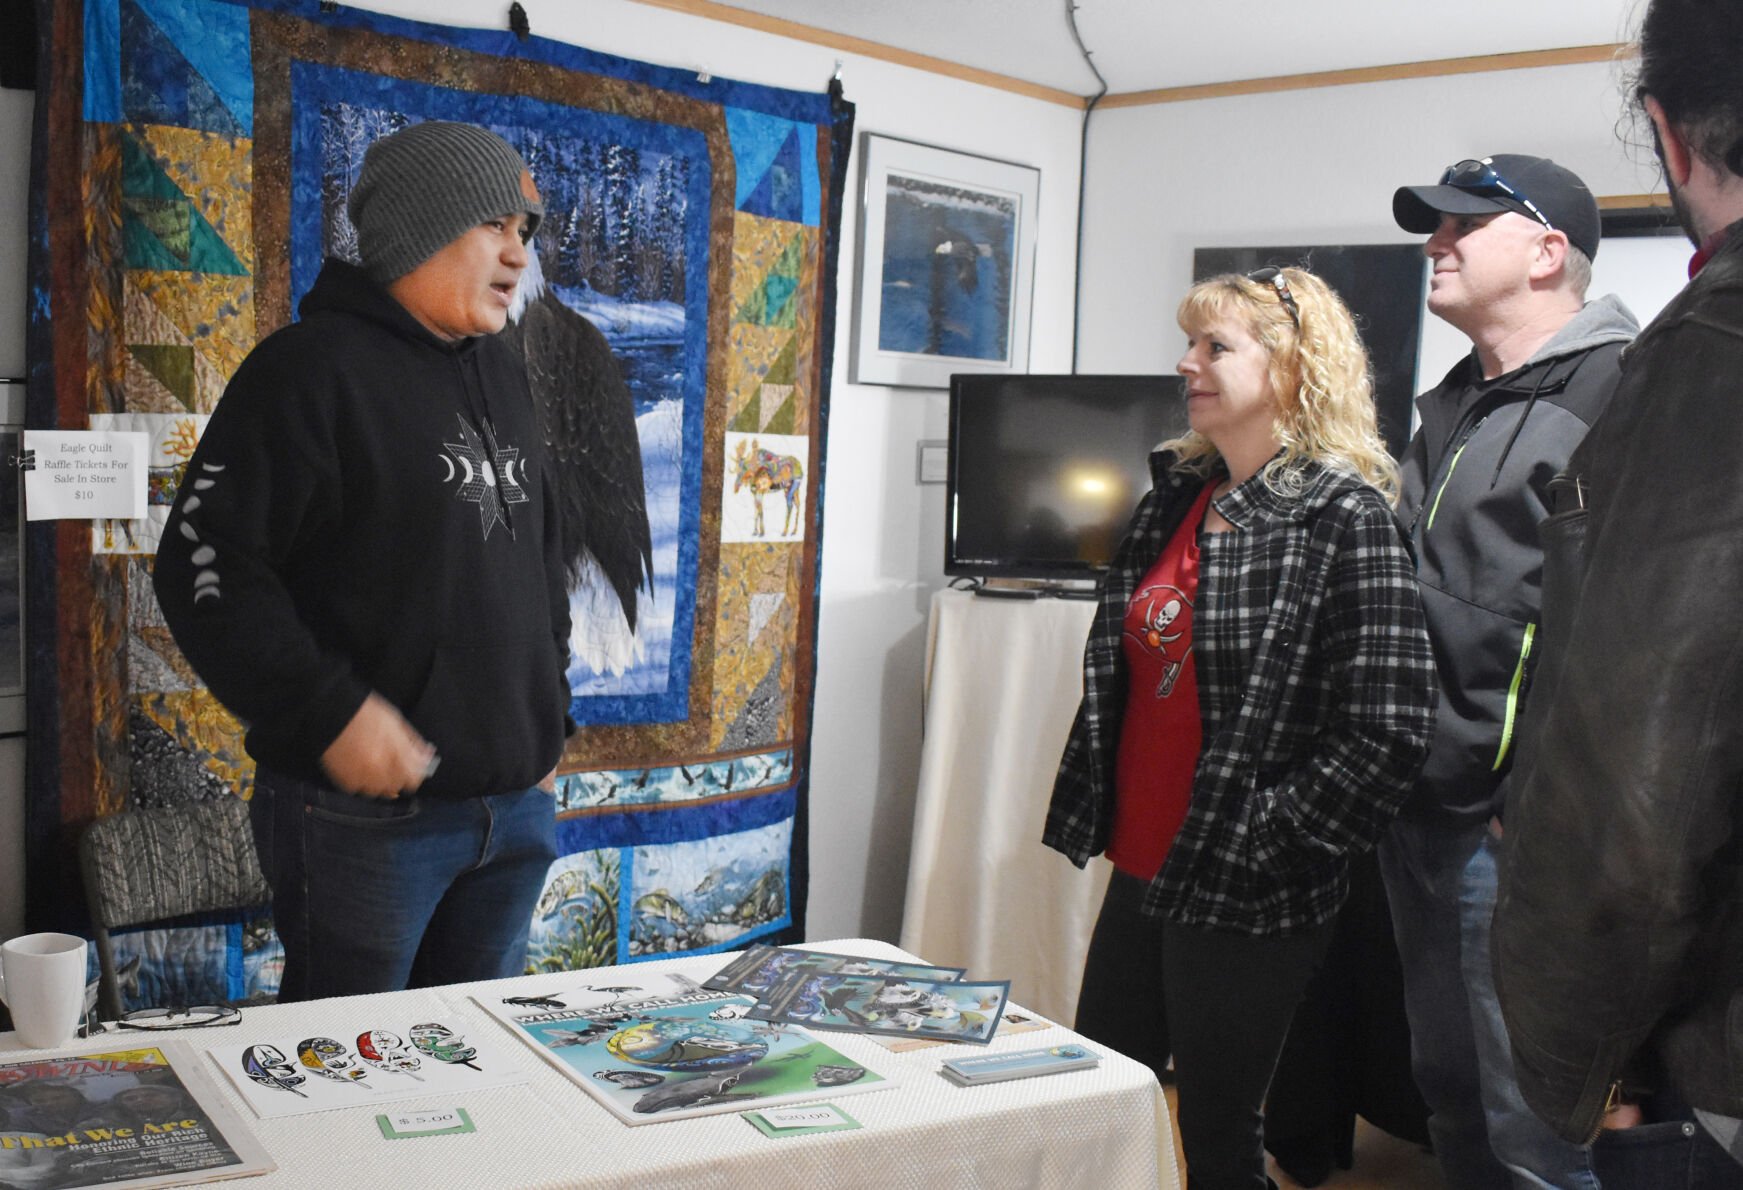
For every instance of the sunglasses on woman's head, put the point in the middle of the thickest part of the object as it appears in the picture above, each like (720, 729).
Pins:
(1275, 279)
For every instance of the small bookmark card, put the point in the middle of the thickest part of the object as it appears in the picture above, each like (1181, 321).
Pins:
(996, 1068)
(439, 1121)
(802, 1120)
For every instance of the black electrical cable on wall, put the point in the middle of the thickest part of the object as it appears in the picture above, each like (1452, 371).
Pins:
(1082, 176)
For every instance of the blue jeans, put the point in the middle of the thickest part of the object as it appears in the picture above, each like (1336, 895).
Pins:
(1671, 1154)
(374, 895)
(1441, 880)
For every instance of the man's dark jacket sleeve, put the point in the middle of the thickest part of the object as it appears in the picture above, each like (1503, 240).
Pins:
(1616, 923)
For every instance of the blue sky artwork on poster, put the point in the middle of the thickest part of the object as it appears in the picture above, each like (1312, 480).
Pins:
(947, 269)
(626, 206)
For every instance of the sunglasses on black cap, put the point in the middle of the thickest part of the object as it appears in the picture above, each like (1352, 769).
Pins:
(1274, 278)
(1479, 177)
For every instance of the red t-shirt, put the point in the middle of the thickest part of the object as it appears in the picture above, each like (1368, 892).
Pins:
(1162, 733)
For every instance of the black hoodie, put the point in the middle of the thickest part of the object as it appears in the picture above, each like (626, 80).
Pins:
(366, 511)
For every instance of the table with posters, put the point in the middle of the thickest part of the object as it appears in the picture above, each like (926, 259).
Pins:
(1103, 1126)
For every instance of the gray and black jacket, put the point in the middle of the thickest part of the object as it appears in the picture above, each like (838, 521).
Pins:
(1476, 485)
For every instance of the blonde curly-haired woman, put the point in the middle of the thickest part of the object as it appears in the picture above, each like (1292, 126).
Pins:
(1258, 696)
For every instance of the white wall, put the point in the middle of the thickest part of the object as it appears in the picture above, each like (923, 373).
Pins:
(1311, 167)
(883, 540)
(1647, 271)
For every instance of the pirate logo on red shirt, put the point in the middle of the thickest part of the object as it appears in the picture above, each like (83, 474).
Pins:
(1163, 613)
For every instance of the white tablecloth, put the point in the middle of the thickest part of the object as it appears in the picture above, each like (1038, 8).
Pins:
(1102, 1127)
(1004, 677)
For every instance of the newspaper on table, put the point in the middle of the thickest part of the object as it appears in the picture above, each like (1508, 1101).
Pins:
(679, 1056)
(363, 1062)
(949, 1010)
(139, 1117)
(759, 970)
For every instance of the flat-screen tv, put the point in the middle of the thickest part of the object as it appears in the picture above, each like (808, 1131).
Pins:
(1044, 471)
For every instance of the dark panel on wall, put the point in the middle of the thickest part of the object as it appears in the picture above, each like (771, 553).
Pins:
(18, 44)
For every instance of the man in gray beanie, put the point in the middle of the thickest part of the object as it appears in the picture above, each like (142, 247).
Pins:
(420, 188)
(362, 564)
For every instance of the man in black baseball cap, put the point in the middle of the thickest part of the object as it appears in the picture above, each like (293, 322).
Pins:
(1535, 187)
(1510, 242)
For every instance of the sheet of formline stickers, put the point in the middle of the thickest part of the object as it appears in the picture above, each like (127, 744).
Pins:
(359, 1062)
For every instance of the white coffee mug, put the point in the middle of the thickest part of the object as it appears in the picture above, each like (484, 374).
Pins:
(42, 981)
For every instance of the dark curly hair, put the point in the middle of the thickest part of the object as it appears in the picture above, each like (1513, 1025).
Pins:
(1689, 56)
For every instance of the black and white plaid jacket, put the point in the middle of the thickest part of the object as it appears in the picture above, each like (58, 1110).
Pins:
(1316, 687)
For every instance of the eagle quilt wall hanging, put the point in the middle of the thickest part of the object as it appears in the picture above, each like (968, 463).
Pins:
(191, 162)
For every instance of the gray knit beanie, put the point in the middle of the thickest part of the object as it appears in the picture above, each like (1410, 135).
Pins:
(420, 189)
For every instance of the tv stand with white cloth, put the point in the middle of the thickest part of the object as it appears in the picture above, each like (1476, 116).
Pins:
(1003, 680)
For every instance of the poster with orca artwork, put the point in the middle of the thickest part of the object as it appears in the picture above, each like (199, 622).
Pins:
(696, 1054)
(361, 1062)
(947, 1010)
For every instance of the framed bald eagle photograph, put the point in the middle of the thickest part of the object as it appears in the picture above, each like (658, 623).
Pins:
(946, 264)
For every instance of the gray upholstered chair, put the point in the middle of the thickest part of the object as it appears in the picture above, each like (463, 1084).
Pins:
(147, 865)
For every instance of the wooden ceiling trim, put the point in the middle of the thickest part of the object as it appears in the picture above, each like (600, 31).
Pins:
(865, 49)
(1525, 60)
